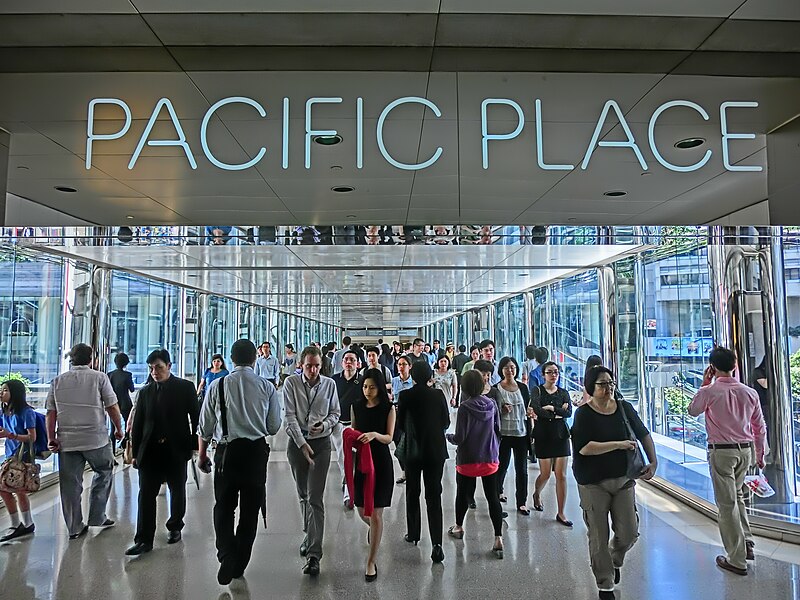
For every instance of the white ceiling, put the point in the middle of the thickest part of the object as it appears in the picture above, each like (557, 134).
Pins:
(355, 286)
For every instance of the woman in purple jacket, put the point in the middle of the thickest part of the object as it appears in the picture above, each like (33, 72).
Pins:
(477, 436)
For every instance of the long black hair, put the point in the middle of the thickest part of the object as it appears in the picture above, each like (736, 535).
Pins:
(376, 375)
(18, 402)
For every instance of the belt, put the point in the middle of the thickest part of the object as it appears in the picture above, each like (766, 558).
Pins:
(738, 445)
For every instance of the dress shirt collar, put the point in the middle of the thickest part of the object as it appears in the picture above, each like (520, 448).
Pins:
(79, 368)
(307, 382)
(242, 367)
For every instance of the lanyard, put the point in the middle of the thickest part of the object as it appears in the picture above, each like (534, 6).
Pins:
(310, 402)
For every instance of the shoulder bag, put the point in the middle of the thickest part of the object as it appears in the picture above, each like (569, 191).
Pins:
(636, 464)
(18, 475)
(409, 449)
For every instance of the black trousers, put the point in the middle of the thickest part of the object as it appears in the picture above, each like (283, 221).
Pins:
(465, 491)
(519, 445)
(431, 474)
(240, 477)
(151, 476)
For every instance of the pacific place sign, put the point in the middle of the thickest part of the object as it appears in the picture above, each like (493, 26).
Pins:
(629, 144)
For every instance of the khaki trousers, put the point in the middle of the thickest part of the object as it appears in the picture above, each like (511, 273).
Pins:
(728, 466)
(615, 498)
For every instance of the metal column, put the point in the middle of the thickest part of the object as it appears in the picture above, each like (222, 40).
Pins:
(640, 293)
(780, 467)
(607, 290)
(181, 358)
(100, 307)
(203, 330)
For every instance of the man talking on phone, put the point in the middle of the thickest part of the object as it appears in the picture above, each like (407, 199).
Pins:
(735, 427)
(240, 410)
(312, 412)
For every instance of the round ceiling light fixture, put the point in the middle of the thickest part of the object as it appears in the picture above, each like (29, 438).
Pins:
(327, 140)
(690, 143)
(342, 189)
(65, 189)
(129, 216)
(615, 193)
(336, 168)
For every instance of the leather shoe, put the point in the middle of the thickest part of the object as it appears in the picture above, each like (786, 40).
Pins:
(723, 563)
(15, 532)
(225, 573)
(407, 538)
(107, 523)
(312, 566)
(138, 548)
(174, 537)
(437, 555)
(81, 533)
(606, 595)
(751, 550)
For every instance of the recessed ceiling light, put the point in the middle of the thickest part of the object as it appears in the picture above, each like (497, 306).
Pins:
(351, 217)
(64, 188)
(690, 143)
(343, 189)
(523, 275)
(358, 274)
(572, 219)
(327, 140)
(128, 216)
(646, 173)
(615, 193)
(23, 167)
(336, 168)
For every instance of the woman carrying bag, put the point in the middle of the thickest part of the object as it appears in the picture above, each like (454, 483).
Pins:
(18, 428)
(606, 463)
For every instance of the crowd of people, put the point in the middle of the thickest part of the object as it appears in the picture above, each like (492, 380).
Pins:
(352, 404)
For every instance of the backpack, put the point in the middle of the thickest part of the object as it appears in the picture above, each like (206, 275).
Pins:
(40, 445)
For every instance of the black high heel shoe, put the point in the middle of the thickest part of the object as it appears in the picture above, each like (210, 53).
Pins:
(372, 577)
(409, 540)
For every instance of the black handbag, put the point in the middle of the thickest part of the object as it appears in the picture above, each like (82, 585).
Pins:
(636, 463)
(409, 449)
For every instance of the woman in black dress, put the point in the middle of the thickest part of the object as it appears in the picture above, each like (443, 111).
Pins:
(552, 405)
(374, 416)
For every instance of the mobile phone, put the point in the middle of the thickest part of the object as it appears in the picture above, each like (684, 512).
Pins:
(318, 424)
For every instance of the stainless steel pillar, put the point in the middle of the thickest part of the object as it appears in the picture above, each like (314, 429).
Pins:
(100, 323)
(780, 468)
(718, 293)
(640, 293)
(181, 342)
(607, 290)
(203, 332)
(5, 145)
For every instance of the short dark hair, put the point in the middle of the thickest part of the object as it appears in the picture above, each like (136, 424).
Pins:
(421, 372)
(486, 343)
(81, 355)
(542, 354)
(591, 377)
(267, 343)
(408, 360)
(484, 366)
(121, 360)
(437, 342)
(349, 351)
(592, 361)
(309, 351)
(218, 357)
(161, 354)
(530, 352)
(472, 384)
(418, 341)
(243, 352)
(374, 349)
(550, 363)
(504, 361)
(347, 340)
(289, 346)
(462, 348)
(722, 359)
(473, 347)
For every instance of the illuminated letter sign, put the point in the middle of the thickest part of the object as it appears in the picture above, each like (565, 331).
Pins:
(91, 135)
(630, 143)
(723, 122)
(540, 144)
(181, 141)
(486, 136)
(311, 133)
(204, 134)
(651, 136)
(391, 106)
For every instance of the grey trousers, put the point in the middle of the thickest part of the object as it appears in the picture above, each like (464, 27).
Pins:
(728, 466)
(70, 480)
(615, 498)
(310, 481)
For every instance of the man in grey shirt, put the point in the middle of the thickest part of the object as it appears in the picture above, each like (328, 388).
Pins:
(267, 366)
(77, 404)
(312, 412)
(252, 412)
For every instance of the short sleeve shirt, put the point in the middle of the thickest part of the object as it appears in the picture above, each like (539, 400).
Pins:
(18, 424)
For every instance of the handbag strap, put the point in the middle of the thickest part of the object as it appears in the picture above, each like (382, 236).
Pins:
(223, 409)
(627, 423)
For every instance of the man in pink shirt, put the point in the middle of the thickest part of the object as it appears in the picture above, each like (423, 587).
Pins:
(735, 426)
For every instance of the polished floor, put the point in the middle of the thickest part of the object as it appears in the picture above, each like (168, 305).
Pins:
(674, 558)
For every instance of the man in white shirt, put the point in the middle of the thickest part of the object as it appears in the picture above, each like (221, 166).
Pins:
(77, 404)
(372, 363)
(267, 366)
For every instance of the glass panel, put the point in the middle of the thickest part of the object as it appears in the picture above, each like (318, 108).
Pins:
(517, 327)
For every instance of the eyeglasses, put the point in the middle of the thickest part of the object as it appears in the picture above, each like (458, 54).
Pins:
(607, 384)
(551, 372)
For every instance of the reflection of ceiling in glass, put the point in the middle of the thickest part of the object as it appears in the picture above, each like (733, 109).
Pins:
(372, 286)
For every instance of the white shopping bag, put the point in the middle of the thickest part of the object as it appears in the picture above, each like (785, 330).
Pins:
(759, 485)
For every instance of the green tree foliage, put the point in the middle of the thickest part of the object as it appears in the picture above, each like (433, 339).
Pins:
(8, 376)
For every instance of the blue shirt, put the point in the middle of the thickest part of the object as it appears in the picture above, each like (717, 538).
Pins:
(18, 424)
(536, 376)
(210, 376)
(398, 385)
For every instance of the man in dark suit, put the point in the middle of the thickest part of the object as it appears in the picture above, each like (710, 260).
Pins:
(163, 441)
